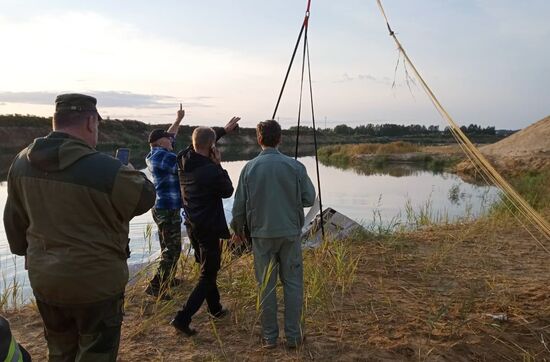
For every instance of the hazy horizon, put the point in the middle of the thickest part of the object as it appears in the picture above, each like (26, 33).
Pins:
(487, 61)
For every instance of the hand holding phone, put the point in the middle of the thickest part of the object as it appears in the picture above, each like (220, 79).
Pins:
(215, 154)
(123, 155)
(180, 114)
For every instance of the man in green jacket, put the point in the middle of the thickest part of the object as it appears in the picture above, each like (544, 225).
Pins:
(270, 199)
(68, 212)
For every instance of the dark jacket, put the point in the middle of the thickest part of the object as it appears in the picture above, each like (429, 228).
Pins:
(68, 210)
(203, 185)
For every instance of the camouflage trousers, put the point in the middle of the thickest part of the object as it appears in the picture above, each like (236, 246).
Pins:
(84, 332)
(169, 231)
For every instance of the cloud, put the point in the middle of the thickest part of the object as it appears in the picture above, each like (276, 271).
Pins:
(27, 97)
(345, 78)
(372, 78)
(134, 100)
(363, 77)
(108, 99)
(366, 77)
(160, 72)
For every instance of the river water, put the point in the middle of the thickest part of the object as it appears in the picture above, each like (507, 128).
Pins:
(377, 200)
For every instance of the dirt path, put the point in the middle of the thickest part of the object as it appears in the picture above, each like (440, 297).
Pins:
(419, 296)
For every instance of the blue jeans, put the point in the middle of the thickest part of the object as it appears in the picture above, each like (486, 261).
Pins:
(281, 256)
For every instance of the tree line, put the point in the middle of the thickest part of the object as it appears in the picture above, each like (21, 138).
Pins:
(386, 130)
(396, 130)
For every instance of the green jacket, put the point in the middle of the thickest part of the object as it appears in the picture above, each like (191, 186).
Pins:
(68, 211)
(270, 198)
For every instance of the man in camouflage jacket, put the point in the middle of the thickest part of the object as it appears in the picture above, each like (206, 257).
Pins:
(68, 212)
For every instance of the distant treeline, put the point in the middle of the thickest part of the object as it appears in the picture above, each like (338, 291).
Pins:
(18, 130)
(396, 130)
(20, 120)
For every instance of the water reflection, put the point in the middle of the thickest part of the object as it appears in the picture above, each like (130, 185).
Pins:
(247, 152)
(391, 169)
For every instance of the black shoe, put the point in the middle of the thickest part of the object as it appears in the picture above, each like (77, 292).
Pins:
(268, 344)
(292, 344)
(224, 312)
(155, 291)
(183, 328)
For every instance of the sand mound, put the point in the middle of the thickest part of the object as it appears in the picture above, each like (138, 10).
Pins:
(526, 150)
(532, 141)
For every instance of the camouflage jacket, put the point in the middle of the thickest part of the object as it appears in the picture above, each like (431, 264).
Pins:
(68, 211)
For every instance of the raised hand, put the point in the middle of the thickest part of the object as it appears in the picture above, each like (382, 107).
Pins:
(232, 124)
(181, 114)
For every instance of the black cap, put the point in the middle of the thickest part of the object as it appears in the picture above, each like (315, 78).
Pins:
(75, 102)
(157, 134)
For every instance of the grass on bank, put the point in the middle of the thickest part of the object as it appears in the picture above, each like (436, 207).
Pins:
(11, 295)
(534, 187)
(345, 153)
(372, 158)
(398, 296)
(329, 272)
(411, 294)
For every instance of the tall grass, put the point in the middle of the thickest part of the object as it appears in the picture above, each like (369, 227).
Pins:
(148, 236)
(378, 226)
(11, 295)
(534, 187)
(329, 275)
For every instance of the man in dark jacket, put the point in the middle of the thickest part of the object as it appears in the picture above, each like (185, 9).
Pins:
(203, 185)
(68, 212)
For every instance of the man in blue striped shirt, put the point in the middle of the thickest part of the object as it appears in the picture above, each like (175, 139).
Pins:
(162, 164)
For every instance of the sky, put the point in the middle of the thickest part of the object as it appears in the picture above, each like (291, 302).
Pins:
(488, 61)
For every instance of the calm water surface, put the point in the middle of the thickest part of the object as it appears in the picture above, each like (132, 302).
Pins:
(376, 198)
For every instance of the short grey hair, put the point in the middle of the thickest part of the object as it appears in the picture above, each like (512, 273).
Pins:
(203, 137)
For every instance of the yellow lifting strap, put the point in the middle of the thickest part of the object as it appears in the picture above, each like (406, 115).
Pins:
(482, 166)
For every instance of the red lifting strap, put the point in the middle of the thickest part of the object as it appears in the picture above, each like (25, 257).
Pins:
(306, 19)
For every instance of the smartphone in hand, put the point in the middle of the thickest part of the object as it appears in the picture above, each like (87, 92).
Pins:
(123, 155)
(215, 154)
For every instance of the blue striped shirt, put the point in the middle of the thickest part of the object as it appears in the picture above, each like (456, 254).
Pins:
(163, 167)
